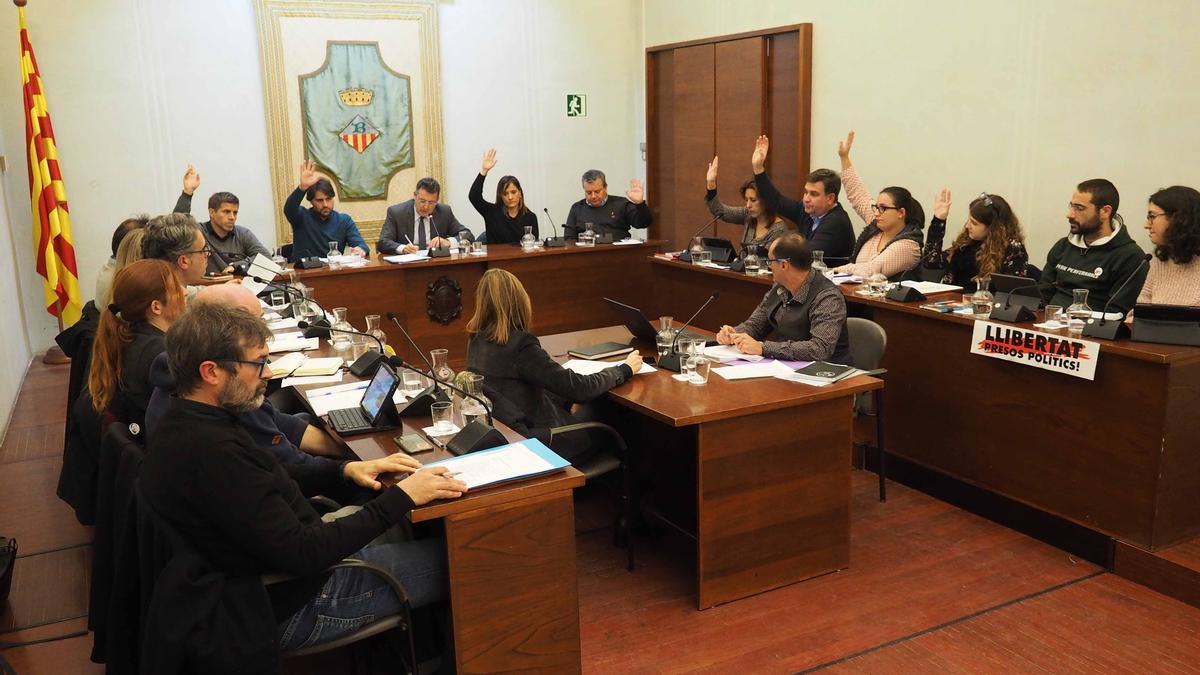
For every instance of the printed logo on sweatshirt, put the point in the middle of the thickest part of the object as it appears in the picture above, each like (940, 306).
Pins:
(1094, 274)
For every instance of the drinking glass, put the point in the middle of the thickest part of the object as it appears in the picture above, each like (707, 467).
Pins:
(1053, 316)
(412, 383)
(476, 248)
(359, 345)
(443, 417)
(705, 256)
(700, 370)
(665, 336)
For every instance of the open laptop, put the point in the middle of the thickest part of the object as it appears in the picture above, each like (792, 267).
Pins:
(371, 413)
(640, 326)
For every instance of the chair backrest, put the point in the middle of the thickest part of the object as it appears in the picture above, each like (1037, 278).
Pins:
(868, 341)
(482, 238)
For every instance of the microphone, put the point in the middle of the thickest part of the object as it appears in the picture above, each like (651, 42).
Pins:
(556, 241)
(318, 328)
(366, 364)
(437, 251)
(686, 256)
(672, 361)
(1018, 312)
(1116, 329)
(394, 319)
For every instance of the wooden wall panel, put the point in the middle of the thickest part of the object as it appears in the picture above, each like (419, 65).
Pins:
(694, 122)
(660, 142)
(788, 159)
(741, 78)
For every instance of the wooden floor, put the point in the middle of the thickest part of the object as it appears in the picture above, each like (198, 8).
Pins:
(930, 589)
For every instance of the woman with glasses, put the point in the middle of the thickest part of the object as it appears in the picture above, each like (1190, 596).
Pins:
(990, 242)
(891, 243)
(532, 393)
(761, 224)
(1173, 221)
(506, 219)
(147, 297)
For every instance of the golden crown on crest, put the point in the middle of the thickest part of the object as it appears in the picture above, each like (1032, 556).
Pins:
(356, 96)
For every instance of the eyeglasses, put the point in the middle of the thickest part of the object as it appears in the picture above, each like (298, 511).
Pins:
(771, 261)
(1077, 208)
(426, 202)
(206, 252)
(261, 363)
(1151, 216)
(880, 208)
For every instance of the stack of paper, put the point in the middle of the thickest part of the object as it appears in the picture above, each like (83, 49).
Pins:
(931, 287)
(408, 257)
(525, 459)
(292, 344)
(589, 367)
(745, 371)
(729, 353)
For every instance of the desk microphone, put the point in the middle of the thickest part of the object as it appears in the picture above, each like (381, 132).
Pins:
(555, 241)
(318, 328)
(1116, 329)
(1018, 312)
(671, 360)
(686, 256)
(366, 364)
(437, 251)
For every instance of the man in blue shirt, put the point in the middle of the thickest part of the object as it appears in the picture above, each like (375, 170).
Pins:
(314, 228)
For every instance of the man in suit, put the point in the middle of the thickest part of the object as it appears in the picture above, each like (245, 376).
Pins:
(819, 217)
(420, 222)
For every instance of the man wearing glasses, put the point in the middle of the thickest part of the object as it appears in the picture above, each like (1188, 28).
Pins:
(421, 222)
(804, 312)
(177, 239)
(1098, 255)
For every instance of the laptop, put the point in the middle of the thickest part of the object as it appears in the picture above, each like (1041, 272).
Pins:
(371, 413)
(640, 326)
(1022, 290)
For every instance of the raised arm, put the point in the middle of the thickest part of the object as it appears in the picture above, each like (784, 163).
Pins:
(191, 181)
(475, 194)
(785, 206)
(856, 191)
(932, 257)
(729, 214)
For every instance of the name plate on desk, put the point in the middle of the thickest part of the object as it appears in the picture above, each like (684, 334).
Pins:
(1048, 351)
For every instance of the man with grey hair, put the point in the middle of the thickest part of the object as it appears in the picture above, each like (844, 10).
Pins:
(608, 214)
(177, 239)
(245, 513)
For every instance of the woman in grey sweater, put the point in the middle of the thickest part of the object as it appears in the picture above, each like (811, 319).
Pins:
(760, 222)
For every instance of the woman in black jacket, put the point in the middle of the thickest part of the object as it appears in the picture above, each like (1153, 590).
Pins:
(506, 220)
(535, 390)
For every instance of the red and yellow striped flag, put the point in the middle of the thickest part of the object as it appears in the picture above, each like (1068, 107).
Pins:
(48, 196)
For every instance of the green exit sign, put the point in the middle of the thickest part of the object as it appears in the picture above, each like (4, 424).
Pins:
(576, 105)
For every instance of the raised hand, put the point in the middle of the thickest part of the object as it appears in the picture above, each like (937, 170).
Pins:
(844, 149)
(636, 193)
(308, 174)
(941, 205)
(711, 177)
(758, 160)
(191, 180)
(489, 161)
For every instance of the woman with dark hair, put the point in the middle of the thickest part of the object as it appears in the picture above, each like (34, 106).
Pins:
(891, 243)
(990, 242)
(147, 297)
(531, 391)
(762, 225)
(1173, 221)
(506, 220)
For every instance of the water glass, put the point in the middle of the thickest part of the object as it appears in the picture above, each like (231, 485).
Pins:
(663, 342)
(359, 345)
(477, 248)
(279, 300)
(981, 307)
(411, 383)
(1076, 320)
(705, 256)
(278, 258)
(443, 417)
(1053, 316)
(701, 366)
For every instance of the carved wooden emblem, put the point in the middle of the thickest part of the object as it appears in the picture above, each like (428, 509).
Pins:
(444, 300)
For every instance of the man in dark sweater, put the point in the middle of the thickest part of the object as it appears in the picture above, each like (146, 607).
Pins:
(1099, 255)
(609, 215)
(229, 241)
(314, 228)
(804, 311)
(245, 513)
(819, 218)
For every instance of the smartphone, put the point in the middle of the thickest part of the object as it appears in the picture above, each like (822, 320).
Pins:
(413, 443)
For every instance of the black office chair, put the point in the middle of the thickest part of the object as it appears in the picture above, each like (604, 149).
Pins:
(482, 238)
(605, 462)
(868, 342)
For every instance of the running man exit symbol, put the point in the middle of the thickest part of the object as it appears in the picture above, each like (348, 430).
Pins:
(576, 105)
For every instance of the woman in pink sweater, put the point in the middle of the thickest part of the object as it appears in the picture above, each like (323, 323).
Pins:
(1173, 221)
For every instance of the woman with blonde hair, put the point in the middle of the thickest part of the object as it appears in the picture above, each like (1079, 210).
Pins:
(147, 297)
(990, 242)
(531, 392)
(129, 252)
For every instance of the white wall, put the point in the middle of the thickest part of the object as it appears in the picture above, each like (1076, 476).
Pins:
(139, 88)
(1022, 98)
(14, 346)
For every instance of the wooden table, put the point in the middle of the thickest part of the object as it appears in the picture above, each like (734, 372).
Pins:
(1119, 455)
(511, 554)
(565, 285)
(758, 471)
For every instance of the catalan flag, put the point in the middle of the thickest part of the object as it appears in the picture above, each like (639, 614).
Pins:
(48, 196)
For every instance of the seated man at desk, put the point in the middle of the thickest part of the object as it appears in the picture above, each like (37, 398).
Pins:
(805, 312)
(421, 222)
(314, 228)
(245, 513)
(609, 214)
(228, 241)
(819, 216)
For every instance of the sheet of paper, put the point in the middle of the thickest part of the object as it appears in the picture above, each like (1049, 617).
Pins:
(408, 257)
(847, 279)
(263, 267)
(253, 286)
(726, 352)
(311, 379)
(349, 386)
(506, 463)
(284, 365)
(321, 405)
(584, 367)
(294, 345)
(280, 325)
(746, 371)
(931, 287)
(628, 242)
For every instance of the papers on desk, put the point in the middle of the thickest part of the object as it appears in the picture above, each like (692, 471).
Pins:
(311, 379)
(264, 268)
(525, 459)
(280, 343)
(843, 278)
(931, 287)
(280, 324)
(628, 242)
(347, 261)
(407, 257)
(301, 366)
(340, 396)
(729, 353)
(746, 371)
(591, 367)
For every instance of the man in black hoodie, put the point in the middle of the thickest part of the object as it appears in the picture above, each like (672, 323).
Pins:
(1099, 254)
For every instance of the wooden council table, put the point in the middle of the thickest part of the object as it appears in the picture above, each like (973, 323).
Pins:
(1119, 455)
